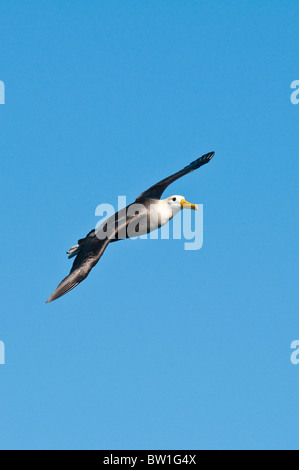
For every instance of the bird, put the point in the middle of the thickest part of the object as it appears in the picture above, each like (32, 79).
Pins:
(149, 212)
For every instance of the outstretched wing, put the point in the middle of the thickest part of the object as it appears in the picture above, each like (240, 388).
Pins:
(156, 191)
(91, 250)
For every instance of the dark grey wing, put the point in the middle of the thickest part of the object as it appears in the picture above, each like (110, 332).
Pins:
(91, 250)
(156, 191)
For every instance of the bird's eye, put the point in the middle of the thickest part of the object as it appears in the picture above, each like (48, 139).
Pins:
(174, 199)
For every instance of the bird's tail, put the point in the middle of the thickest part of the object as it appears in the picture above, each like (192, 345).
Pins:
(68, 283)
(73, 251)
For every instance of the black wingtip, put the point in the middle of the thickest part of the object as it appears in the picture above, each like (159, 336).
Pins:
(201, 161)
(207, 157)
(50, 299)
(66, 285)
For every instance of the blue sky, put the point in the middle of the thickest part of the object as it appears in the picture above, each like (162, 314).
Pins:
(159, 347)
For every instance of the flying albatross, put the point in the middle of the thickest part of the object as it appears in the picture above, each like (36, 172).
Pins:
(146, 214)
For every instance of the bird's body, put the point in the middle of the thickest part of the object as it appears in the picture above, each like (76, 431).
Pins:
(146, 214)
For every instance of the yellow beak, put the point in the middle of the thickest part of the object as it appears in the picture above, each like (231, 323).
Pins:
(187, 205)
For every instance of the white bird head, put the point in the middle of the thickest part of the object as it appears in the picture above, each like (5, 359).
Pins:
(178, 203)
